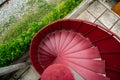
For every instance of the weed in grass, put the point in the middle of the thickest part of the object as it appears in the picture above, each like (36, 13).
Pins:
(31, 2)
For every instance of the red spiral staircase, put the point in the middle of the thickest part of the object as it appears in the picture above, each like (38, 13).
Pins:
(89, 49)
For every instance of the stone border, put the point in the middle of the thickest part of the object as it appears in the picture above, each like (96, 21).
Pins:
(83, 5)
(109, 8)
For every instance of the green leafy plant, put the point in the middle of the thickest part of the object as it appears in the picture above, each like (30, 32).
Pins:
(31, 2)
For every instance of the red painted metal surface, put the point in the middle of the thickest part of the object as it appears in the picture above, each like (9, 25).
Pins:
(78, 37)
(57, 72)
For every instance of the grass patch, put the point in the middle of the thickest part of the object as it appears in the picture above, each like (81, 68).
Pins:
(11, 20)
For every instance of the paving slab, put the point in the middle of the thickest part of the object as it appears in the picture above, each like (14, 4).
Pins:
(31, 74)
(99, 23)
(79, 9)
(116, 28)
(96, 9)
(86, 16)
(108, 19)
(110, 3)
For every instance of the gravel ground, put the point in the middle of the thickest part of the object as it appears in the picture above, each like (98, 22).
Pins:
(15, 8)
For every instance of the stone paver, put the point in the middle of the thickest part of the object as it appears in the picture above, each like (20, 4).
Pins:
(31, 74)
(96, 9)
(98, 22)
(108, 19)
(86, 16)
(110, 3)
(27, 73)
(116, 28)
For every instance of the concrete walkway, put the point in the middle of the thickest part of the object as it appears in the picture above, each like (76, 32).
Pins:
(98, 13)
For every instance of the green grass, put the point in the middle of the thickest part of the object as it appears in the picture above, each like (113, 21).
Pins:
(31, 2)
(13, 48)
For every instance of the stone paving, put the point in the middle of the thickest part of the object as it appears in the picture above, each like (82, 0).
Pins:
(31, 74)
(98, 13)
